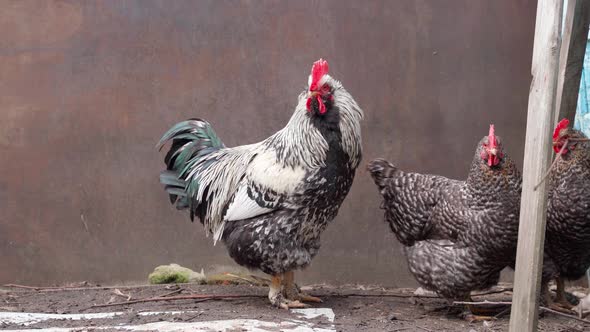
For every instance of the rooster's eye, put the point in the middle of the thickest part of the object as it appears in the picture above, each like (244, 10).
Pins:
(325, 89)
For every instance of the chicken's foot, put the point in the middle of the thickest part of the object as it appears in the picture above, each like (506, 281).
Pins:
(471, 314)
(560, 297)
(479, 314)
(550, 303)
(292, 292)
(476, 318)
(275, 295)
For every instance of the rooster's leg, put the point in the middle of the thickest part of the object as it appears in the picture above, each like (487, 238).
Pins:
(292, 292)
(275, 295)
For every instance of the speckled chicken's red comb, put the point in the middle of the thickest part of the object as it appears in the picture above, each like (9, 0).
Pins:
(319, 69)
(560, 126)
(492, 138)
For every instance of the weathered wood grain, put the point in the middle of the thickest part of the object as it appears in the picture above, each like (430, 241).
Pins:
(537, 158)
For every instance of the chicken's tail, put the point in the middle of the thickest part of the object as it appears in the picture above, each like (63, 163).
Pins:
(191, 140)
(381, 170)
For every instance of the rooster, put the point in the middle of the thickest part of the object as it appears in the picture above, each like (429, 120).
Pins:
(567, 240)
(457, 235)
(269, 202)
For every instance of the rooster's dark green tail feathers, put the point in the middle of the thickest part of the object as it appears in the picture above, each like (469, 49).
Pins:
(191, 140)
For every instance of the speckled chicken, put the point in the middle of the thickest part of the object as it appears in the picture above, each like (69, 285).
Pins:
(269, 202)
(567, 238)
(457, 235)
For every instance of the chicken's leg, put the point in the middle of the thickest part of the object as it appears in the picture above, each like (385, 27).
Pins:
(549, 301)
(477, 314)
(560, 298)
(292, 292)
(275, 295)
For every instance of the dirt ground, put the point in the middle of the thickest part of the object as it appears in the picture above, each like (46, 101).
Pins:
(356, 308)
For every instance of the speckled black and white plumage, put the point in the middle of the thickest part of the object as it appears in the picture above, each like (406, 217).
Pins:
(269, 202)
(567, 237)
(288, 238)
(457, 235)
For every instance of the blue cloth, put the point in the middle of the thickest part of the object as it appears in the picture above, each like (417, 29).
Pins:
(582, 121)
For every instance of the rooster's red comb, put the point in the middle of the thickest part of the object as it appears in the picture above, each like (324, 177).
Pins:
(319, 69)
(492, 137)
(560, 126)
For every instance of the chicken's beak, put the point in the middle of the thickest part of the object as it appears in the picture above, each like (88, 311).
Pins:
(312, 94)
(563, 133)
(492, 157)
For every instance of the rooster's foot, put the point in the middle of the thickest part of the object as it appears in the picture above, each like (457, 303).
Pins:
(292, 304)
(292, 292)
(308, 298)
(279, 301)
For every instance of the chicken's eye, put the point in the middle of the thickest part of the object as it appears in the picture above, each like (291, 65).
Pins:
(325, 89)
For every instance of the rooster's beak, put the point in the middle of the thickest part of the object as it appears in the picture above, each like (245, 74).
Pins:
(311, 94)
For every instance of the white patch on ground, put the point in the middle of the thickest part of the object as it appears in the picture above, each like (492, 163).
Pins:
(28, 318)
(316, 312)
(292, 325)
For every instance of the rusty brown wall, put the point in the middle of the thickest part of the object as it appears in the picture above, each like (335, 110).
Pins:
(87, 88)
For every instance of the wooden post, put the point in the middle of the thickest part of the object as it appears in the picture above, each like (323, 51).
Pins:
(537, 158)
(571, 58)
